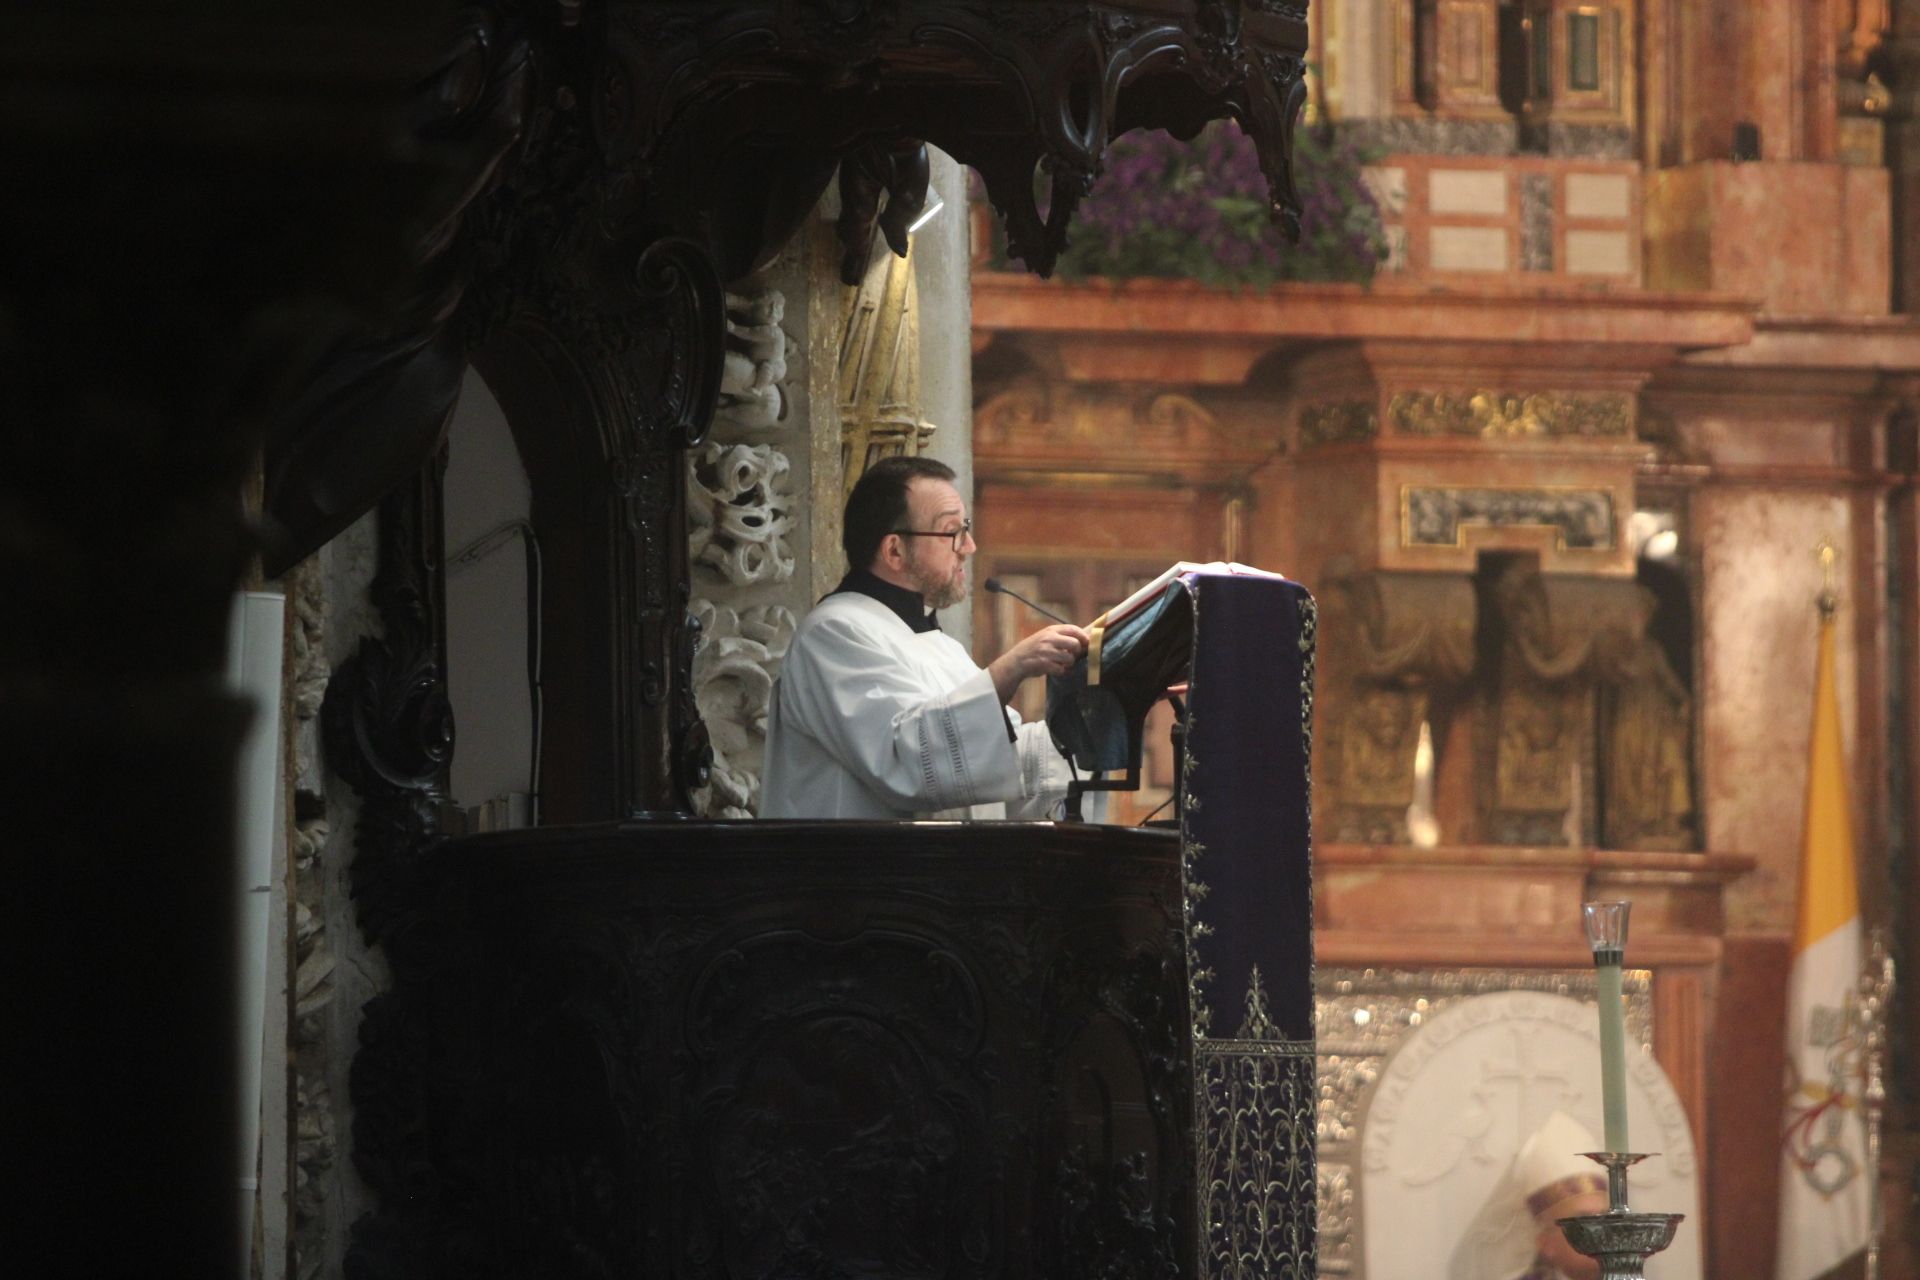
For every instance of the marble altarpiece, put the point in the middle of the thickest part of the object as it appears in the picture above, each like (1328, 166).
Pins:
(1556, 478)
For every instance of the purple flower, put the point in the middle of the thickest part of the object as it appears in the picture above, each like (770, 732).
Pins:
(1200, 209)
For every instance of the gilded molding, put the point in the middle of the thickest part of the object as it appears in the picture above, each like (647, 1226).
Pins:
(1342, 422)
(1510, 414)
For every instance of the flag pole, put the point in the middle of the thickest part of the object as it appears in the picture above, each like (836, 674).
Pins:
(1829, 597)
(1876, 991)
(1827, 1189)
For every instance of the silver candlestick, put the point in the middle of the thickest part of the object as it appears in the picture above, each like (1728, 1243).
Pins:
(1620, 1239)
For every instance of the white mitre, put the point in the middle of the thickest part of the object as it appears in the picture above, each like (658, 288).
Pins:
(1552, 1168)
(1548, 1171)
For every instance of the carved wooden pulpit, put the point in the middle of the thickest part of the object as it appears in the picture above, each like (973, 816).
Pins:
(797, 1049)
(258, 252)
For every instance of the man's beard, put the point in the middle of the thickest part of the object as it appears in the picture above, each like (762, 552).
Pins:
(939, 591)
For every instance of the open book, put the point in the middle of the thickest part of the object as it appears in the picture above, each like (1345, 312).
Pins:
(1152, 590)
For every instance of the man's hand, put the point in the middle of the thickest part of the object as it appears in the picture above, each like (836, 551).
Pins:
(1047, 652)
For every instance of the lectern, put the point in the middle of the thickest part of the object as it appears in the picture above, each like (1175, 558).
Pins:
(1238, 645)
(775, 1050)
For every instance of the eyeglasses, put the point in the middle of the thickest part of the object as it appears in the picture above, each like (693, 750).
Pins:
(955, 536)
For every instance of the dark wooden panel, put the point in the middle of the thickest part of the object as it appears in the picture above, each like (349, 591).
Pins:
(785, 1049)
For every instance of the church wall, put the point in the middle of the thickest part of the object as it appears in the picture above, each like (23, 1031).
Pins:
(1346, 489)
(1759, 581)
(1751, 453)
(1075, 523)
(1718, 227)
(1757, 461)
(1270, 533)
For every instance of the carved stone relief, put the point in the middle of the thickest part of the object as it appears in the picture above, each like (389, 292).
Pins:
(313, 1121)
(755, 364)
(1494, 414)
(1646, 743)
(1407, 634)
(1338, 423)
(739, 511)
(740, 517)
(1563, 638)
(1080, 430)
(733, 681)
(1013, 414)
(880, 414)
(1361, 1017)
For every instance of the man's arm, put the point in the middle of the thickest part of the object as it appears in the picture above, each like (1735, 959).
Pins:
(1049, 651)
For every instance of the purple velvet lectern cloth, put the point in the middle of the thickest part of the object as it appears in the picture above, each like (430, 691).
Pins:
(1245, 645)
(1249, 891)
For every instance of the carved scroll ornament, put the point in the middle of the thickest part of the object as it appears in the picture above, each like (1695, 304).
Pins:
(1561, 626)
(1009, 88)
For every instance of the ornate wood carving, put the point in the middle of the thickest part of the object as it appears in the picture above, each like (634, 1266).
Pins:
(687, 1051)
(740, 110)
(332, 214)
(386, 720)
(379, 406)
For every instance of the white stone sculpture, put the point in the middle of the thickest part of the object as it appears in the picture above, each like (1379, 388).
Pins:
(733, 685)
(739, 512)
(751, 396)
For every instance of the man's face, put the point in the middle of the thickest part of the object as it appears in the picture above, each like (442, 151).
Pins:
(935, 566)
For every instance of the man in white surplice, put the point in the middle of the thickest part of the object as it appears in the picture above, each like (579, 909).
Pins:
(879, 714)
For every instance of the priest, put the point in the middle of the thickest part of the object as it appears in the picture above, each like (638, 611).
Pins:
(878, 713)
(1516, 1234)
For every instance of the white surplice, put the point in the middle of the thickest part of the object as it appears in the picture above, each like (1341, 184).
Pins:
(871, 720)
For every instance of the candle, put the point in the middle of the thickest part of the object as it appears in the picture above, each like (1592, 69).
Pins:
(1607, 934)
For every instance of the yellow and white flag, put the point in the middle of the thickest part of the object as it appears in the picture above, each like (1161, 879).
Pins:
(1825, 1183)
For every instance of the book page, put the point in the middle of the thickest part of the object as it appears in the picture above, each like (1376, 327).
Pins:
(1153, 589)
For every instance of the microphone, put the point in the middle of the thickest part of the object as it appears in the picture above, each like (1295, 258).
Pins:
(995, 585)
